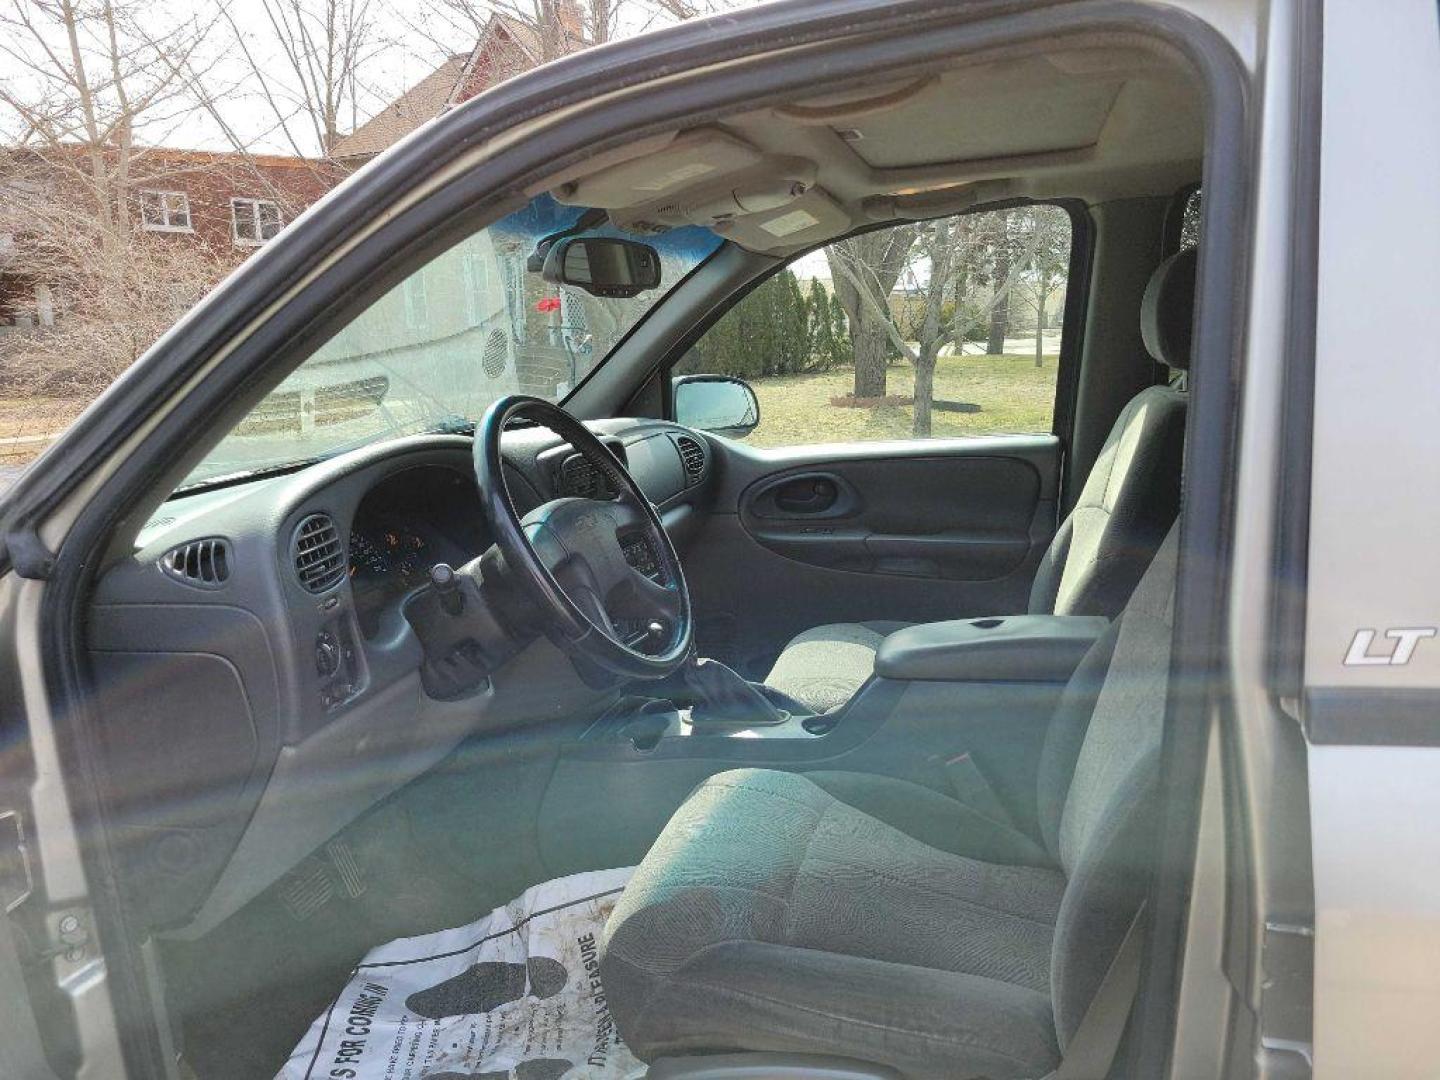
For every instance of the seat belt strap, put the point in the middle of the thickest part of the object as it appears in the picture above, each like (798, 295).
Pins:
(975, 791)
(1091, 1050)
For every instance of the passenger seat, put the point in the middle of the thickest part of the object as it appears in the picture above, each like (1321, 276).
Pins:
(1101, 549)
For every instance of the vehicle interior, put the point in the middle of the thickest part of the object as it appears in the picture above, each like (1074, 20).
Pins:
(876, 722)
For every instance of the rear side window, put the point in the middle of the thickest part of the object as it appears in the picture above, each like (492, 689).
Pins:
(949, 327)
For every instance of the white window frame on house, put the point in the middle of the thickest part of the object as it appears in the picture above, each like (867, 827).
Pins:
(172, 204)
(415, 295)
(254, 206)
(474, 278)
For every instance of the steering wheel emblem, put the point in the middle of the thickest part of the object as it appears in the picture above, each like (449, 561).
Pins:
(595, 521)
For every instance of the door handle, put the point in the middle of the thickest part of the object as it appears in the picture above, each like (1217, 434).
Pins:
(801, 495)
(809, 495)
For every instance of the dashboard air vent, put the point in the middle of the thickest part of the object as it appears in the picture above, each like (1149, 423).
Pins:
(319, 555)
(203, 563)
(579, 478)
(693, 455)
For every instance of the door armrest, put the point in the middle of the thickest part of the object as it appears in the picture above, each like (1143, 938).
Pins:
(1008, 648)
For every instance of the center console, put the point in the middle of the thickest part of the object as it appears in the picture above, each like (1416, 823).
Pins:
(960, 707)
(644, 723)
(1009, 648)
(969, 657)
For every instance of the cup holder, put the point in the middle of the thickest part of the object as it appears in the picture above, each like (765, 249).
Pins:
(647, 727)
(986, 624)
(819, 725)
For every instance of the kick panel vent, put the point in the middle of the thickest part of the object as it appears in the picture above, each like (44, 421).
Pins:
(203, 563)
(319, 555)
(693, 456)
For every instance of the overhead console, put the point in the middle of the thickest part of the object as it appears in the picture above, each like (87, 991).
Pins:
(712, 178)
(693, 158)
(1085, 118)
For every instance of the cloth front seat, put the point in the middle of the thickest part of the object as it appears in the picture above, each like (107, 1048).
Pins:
(1100, 550)
(847, 915)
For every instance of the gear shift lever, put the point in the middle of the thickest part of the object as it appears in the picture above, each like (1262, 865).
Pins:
(724, 697)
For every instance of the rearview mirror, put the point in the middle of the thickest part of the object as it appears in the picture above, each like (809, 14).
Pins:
(717, 403)
(603, 265)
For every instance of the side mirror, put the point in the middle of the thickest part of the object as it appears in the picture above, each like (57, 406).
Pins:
(717, 403)
(603, 265)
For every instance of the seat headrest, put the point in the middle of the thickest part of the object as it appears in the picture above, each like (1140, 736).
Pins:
(1167, 313)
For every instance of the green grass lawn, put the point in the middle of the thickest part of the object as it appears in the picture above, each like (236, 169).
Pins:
(1013, 394)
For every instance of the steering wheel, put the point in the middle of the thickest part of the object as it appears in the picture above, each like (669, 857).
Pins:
(568, 556)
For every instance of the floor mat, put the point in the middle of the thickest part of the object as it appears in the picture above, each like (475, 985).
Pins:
(514, 996)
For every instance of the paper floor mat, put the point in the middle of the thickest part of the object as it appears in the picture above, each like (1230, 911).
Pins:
(513, 996)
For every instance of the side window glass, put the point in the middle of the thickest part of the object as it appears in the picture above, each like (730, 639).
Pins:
(949, 327)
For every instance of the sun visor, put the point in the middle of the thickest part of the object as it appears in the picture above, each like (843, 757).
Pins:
(695, 158)
(774, 183)
(812, 218)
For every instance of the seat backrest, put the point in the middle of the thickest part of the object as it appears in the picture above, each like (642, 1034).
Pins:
(1132, 494)
(1098, 779)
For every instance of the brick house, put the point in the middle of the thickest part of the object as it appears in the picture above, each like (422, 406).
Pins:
(474, 313)
(475, 302)
(228, 204)
(223, 205)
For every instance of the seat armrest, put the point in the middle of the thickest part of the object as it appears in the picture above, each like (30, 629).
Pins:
(1008, 648)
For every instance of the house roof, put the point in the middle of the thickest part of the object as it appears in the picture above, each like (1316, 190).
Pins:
(443, 88)
(524, 36)
(205, 158)
(173, 156)
(423, 101)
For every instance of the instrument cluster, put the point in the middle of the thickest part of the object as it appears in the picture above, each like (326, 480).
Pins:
(405, 526)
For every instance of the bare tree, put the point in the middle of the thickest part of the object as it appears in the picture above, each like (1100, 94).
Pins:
(864, 270)
(305, 65)
(939, 248)
(94, 306)
(933, 264)
(95, 76)
(1002, 247)
(1049, 264)
(324, 50)
(556, 28)
(90, 307)
(99, 88)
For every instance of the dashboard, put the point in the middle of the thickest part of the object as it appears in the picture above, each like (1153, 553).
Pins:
(254, 640)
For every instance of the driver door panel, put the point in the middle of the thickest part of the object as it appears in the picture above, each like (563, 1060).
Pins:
(869, 533)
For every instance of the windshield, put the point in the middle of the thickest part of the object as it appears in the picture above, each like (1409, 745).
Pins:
(470, 326)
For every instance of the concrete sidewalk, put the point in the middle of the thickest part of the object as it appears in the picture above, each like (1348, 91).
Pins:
(8, 475)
